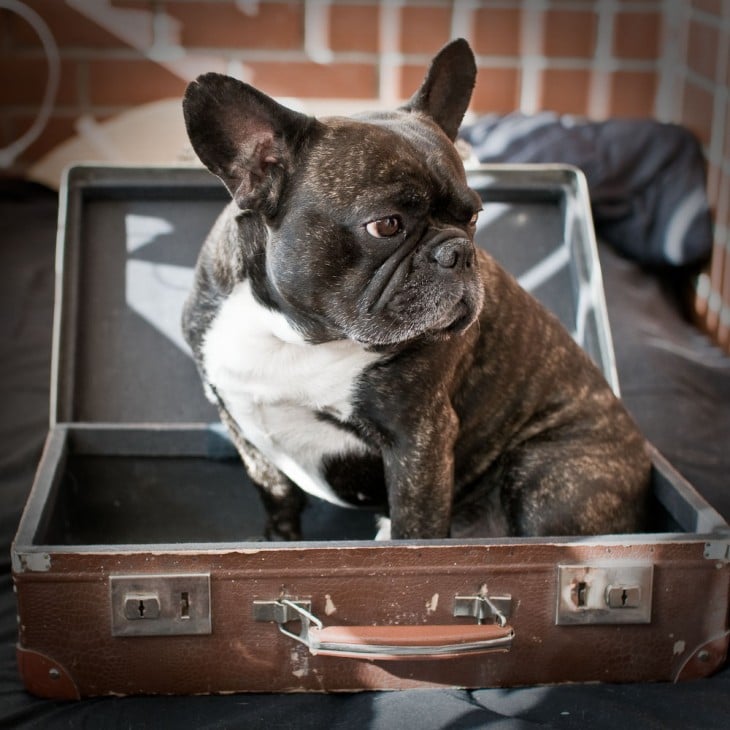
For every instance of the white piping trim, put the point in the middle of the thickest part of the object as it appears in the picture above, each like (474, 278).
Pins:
(9, 154)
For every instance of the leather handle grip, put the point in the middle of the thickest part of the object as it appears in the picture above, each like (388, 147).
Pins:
(409, 642)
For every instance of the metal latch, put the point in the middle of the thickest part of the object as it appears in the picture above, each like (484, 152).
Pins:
(160, 605)
(608, 593)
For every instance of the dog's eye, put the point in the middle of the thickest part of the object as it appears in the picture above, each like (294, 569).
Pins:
(385, 227)
(473, 219)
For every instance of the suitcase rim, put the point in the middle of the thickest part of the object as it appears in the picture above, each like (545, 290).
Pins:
(674, 492)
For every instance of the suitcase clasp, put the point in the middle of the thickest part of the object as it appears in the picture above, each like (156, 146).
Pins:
(160, 605)
(617, 592)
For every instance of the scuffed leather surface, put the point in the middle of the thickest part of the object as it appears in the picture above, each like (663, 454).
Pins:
(359, 586)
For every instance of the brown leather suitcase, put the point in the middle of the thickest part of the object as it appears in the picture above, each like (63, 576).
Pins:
(139, 565)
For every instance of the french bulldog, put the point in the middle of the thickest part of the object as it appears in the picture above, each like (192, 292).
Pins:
(360, 348)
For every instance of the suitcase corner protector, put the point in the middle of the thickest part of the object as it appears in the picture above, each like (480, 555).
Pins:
(44, 677)
(705, 660)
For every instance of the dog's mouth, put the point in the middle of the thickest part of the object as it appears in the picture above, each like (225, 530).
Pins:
(456, 318)
(409, 296)
(464, 317)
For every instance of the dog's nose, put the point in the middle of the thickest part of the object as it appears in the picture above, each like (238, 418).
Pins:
(454, 254)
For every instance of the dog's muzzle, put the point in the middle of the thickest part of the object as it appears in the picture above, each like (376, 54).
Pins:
(453, 255)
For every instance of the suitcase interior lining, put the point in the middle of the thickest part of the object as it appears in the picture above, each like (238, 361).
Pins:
(148, 500)
(131, 246)
(150, 490)
(127, 363)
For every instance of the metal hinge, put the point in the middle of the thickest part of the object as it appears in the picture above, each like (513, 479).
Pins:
(485, 609)
(280, 611)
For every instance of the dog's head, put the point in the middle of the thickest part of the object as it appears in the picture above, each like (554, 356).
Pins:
(369, 219)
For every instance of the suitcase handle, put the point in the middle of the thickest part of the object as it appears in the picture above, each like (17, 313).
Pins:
(397, 642)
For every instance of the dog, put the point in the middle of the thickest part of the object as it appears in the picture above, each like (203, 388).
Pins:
(360, 348)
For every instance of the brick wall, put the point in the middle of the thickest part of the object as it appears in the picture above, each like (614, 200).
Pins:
(634, 58)
(700, 80)
(594, 57)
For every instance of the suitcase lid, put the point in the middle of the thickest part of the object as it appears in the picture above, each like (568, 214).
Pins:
(129, 238)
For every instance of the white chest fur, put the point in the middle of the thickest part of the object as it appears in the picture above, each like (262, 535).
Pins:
(274, 383)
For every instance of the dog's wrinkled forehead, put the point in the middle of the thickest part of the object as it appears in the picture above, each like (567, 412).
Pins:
(388, 153)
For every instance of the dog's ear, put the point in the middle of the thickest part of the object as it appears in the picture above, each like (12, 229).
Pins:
(244, 137)
(445, 92)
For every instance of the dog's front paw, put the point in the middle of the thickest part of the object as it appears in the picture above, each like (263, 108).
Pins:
(282, 531)
(383, 532)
